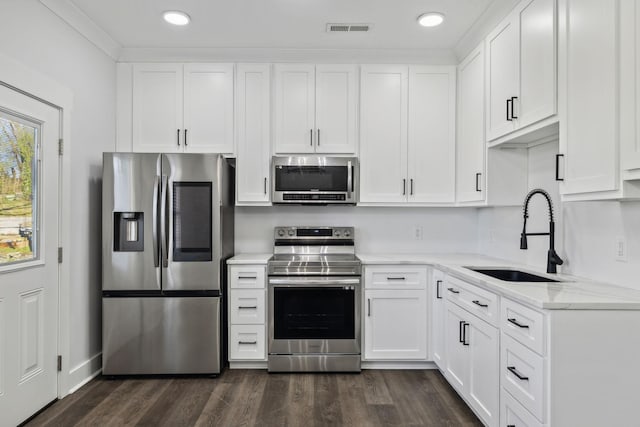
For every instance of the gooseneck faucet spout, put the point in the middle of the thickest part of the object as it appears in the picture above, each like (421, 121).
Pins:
(552, 257)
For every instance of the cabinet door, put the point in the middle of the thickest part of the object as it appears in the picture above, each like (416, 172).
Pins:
(589, 135)
(457, 360)
(630, 84)
(484, 376)
(537, 23)
(437, 320)
(395, 325)
(253, 132)
(208, 108)
(470, 147)
(383, 133)
(502, 79)
(431, 147)
(295, 108)
(157, 108)
(336, 106)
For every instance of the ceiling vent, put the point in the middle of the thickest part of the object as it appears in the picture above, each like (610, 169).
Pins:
(348, 28)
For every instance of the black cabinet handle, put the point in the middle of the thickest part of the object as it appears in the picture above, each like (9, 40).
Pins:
(396, 278)
(478, 303)
(513, 98)
(185, 137)
(248, 307)
(519, 325)
(178, 138)
(318, 141)
(368, 307)
(513, 370)
(411, 187)
(509, 101)
(247, 277)
(558, 167)
(265, 185)
(478, 175)
(460, 327)
(248, 342)
(464, 333)
(438, 283)
(453, 291)
(404, 186)
(311, 137)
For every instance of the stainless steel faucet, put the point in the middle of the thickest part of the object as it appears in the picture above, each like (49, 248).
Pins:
(552, 257)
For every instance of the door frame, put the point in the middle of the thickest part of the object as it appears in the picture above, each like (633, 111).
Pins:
(24, 80)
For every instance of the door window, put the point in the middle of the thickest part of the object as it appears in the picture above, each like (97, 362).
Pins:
(19, 171)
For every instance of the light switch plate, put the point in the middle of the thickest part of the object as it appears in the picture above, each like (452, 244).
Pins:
(621, 249)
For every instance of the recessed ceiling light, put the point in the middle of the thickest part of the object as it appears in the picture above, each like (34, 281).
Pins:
(176, 17)
(431, 19)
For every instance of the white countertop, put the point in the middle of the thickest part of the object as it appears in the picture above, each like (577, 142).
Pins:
(249, 259)
(573, 293)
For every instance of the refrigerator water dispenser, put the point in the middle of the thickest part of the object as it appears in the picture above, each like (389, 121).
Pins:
(128, 232)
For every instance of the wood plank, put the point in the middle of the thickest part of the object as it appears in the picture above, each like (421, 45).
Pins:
(375, 388)
(273, 406)
(353, 403)
(300, 399)
(326, 407)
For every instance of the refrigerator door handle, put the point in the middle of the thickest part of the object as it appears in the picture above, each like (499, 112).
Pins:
(156, 184)
(163, 221)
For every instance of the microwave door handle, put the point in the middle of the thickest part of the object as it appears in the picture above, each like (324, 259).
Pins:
(349, 179)
(156, 184)
(163, 221)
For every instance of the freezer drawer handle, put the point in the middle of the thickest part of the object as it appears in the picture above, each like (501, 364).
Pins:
(248, 307)
(518, 324)
(513, 370)
(248, 342)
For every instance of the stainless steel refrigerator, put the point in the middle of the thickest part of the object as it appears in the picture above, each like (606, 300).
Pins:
(167, 231)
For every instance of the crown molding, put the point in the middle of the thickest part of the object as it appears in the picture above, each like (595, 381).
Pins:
(79, 21)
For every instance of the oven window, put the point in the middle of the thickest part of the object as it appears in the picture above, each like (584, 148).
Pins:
(314, 313)
(311, 178)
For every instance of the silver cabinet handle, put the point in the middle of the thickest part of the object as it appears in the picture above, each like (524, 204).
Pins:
(248, 342)
(349, 175)
(248, 307)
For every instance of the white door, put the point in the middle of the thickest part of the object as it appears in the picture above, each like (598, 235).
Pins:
(336, 106)
(470, 147)
(28, 255)
(537, 22)
(383, 133)
(395, 325)
(457, 361)
(294, 108)
(157, 108)
(630, 85)
(253, 131)
(432, 143)
(502, 79)
(437, 319)
(484, 376)
(208, 108)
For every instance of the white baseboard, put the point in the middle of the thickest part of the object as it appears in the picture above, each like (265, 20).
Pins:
(248, 365)
(84, 372)
(398, 365)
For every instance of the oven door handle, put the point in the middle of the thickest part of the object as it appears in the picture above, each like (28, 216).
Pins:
(313, 282)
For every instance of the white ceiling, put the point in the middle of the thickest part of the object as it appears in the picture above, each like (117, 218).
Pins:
(298, 24)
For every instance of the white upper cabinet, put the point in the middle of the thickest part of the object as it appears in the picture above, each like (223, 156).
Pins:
(253, 132)
(383, 133)
(630, 87)
(431, 136)
(315, 108)
(521, 69)
(470, 145)
(182, 108)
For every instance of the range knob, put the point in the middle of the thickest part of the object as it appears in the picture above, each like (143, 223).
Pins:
(291, 233)
(336, 233)
(281, 233)
(347, 233)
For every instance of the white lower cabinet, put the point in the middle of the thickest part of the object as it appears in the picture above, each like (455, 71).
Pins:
(513, 414)
(395, 319)
(472, 361)
(247, 342)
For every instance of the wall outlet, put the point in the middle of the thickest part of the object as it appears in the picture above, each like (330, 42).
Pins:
(417, 232)
(621, 249)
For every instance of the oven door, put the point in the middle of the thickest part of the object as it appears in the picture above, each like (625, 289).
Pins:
(314, 315)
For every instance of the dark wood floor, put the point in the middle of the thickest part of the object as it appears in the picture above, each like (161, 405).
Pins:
(256, 398)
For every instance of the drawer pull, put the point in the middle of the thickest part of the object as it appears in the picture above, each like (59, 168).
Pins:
(478, 303)
(247, 307)
(247, 342)
(513, 370)
(438, 283)
(247, 277)
(464, 333)
(453, 291)
(396, 278)
(460, 328)
(519, 325)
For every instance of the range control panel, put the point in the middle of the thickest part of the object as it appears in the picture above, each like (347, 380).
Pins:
(307, 233)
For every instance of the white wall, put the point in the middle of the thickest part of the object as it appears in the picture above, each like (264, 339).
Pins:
(586, 231)
(378, 229)
(38, 39)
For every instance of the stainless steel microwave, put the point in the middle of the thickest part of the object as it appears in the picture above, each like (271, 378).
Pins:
(314, 180)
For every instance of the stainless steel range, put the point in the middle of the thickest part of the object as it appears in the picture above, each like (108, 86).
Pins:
(314, 300)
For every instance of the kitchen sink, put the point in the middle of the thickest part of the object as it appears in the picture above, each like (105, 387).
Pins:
(511, 275)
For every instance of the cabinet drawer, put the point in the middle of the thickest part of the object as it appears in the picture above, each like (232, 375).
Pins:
(246, 342)
(480, 302)
(246, 306)
(524, 324)
(246, 276)
(395, 277)
(522, 373)
(513, 413)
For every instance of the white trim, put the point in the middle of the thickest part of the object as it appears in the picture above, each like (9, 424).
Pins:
(248, 365)
(85, 372)
(79, 21)
(398, 365)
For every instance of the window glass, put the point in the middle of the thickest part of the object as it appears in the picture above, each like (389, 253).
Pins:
(18, 189)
